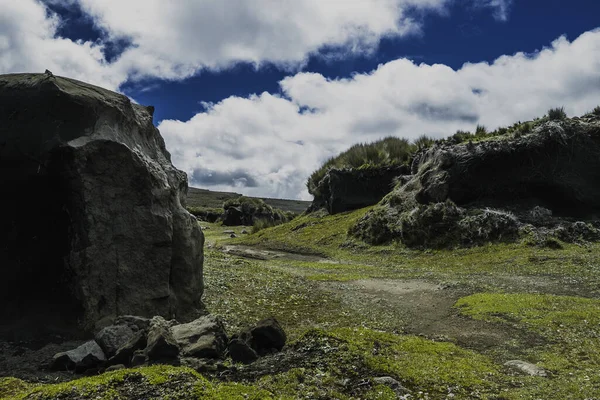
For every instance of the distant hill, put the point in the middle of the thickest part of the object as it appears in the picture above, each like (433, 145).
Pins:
(212, 199)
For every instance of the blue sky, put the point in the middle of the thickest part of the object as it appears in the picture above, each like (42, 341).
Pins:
(252, 95)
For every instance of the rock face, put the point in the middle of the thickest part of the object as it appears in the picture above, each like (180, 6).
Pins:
(541, 183)
(352, 188)
(94, 224)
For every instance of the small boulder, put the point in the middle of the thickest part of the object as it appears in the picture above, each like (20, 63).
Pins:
(391, 383)
(267, 336)
(202, 338)
(240, 351)
(113, 337)
(87, 356)
(161, 346)
(244, 232)
(229, 232)
(526, 368)
(125, 353)
(233, 235)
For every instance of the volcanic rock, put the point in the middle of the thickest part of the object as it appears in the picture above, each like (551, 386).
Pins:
(92, 210)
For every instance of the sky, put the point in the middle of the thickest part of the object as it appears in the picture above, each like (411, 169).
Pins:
(253, 95)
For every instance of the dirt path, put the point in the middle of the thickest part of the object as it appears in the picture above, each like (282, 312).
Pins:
(420, 307)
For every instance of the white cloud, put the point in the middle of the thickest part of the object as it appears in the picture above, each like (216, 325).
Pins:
(501, 8)
(177, 39)
(28, 43)
(257, 137)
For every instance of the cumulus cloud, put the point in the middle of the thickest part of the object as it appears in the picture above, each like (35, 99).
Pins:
(28, 43)
(175, 40)
(277, 141)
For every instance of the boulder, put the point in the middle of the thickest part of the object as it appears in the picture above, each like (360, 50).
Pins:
(202, 338)
(94, 223)
(87, 356)
(113, 337)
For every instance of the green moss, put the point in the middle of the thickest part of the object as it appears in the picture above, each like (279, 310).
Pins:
(421, 363)
(570, 325)
(11, 387)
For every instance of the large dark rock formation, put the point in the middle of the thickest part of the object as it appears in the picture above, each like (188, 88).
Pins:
(353, 188)
(494, 189)
(93, 220)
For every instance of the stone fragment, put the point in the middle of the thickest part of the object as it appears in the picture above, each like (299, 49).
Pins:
(113, 337)
(88, 355)
(202, 338)
(526, 368)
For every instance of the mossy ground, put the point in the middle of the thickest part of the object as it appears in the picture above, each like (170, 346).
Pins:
(536, 304)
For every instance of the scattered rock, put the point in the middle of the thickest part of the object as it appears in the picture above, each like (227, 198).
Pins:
(113, 337)
(88, 355)
(267, 337)
(202, 338)
(134, 322)
(526, 368)
(125, 353)
(392, 384)
(162, 346)
(264, 338)
(233, 235)
(229, 232)
(244, 232)
(115, 368)
(240, 351)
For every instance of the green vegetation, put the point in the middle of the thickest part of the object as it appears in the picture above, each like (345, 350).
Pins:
(255, 211)
(209, 199)
(557, 114)
(390, 151)
(596, 110)
(342, 334)
(571, 327)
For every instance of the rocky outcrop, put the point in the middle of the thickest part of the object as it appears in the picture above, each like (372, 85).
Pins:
(353, 188)
(543, 183)
(94, 223)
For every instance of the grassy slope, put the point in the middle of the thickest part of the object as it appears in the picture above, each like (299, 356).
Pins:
(363, 341)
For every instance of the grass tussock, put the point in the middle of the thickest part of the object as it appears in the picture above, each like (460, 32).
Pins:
(390, 151)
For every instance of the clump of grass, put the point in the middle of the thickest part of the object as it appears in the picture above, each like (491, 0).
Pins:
(557, 114)
(391, 151)
(596, 110)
